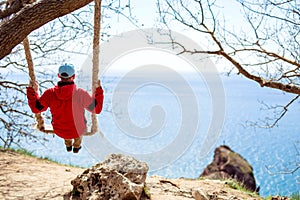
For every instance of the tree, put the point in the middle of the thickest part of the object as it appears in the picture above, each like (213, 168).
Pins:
(265, 49)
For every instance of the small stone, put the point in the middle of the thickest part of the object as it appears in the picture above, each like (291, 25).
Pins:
(199, 195)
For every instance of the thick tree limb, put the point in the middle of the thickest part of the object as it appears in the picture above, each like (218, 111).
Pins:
(31, 17)
(260, 80)
(290, 88)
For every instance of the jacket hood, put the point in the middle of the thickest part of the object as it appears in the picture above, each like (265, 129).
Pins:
(64, 90)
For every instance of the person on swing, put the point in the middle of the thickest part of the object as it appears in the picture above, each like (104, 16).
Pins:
(67, 105)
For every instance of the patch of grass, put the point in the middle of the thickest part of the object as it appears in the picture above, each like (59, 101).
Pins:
(20, 151)
(30, 154)
(239, 186)
(24, 152)
(75, 193)
(202, 178)
(235, 185)
(295, 196)
(146, 192)
(268, 198)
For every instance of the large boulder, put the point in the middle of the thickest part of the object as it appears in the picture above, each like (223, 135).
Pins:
(117, 177)
(229, 165)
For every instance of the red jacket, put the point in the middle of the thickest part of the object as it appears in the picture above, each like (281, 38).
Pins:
(67, 105)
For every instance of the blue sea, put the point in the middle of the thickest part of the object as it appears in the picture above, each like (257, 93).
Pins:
(175, 127)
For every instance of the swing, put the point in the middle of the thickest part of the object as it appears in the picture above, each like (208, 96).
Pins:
(47, 128)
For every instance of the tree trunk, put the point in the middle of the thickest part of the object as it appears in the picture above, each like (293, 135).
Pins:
(30, 18)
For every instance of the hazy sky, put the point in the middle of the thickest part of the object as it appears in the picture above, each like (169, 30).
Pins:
(146, 13)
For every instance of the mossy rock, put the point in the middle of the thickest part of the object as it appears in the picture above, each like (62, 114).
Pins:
(228, 164)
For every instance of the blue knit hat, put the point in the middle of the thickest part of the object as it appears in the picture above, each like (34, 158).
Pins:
(66, 70)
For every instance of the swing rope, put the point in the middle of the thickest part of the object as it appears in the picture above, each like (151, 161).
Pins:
(96, 50)
(38, 116)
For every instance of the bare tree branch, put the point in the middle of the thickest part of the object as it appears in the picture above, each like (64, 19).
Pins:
(226, 48)
(287, 170)
(291, 171)
(271, 122)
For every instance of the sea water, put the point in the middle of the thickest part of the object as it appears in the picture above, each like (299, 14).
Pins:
(271, 152)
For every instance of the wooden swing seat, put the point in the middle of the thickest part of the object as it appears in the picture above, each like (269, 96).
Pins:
(48, 129)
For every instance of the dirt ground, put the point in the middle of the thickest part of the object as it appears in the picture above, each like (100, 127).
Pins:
(25, 177)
